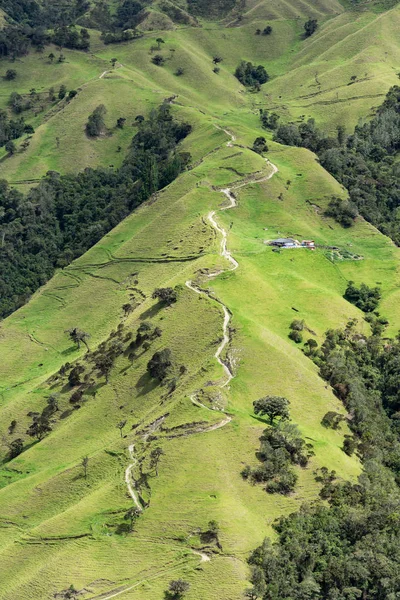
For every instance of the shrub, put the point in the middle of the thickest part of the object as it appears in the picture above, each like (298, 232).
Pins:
(332, 419)
(177, 588)
(165, 295)
(96, 125)
(364, 297)
(16, 447)
(260, 145)
(296, 336)
(349, 445)
(310, 27)
(158, 366)
(158, 60)
(343, 211)
(280, 448)
(10, 74)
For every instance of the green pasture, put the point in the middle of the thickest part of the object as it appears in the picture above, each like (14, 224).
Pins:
(58, 528)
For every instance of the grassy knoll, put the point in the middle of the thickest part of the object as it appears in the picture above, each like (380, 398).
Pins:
(58, 528)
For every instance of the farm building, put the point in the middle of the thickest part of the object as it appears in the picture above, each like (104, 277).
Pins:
(308, 243)
(284, 243)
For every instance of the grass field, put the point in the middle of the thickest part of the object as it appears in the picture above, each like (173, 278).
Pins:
(58, 528)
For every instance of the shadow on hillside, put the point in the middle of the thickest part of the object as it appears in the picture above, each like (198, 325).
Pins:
(260, 419)
(151, 312)
(69, 350)
(145, 384)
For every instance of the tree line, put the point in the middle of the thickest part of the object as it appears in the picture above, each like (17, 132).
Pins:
(64, 215)
(364, 162)
(347, 545)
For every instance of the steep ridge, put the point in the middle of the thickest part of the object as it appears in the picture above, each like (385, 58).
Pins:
(58, 528)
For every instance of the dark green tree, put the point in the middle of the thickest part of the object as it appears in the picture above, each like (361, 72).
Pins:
(166, 295)
(310, 27)
(15, 448)
(260, 145)
(104, 364)
(10, 74)
(39, 427)
(177, 588)
(272, 407)
(62, 92)
(160, 363)
(158, 60)
(78, 336)
(10, 147)
(96, 124)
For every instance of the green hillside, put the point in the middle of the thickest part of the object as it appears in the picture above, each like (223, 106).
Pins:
(59, 528)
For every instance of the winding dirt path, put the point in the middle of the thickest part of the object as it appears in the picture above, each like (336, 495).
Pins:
(224, 252)
(129, 479)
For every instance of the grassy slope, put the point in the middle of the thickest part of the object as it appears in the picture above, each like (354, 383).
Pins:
(309, 78)
(43, 493)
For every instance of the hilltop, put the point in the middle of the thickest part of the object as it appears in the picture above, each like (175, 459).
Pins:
(227, 331)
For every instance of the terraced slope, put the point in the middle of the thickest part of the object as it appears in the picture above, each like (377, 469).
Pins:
(59, 528)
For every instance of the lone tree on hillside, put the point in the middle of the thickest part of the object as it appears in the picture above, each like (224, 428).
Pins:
(165, 295)
(155, 456)
(51, 57)
(84, 464)
(96, 125)
(159, 42)
(177, 588)
(121, 425)
(113, 61)
(267, 30)
(260, 145)
(158, 366)
(78, 336)
(272, 407)
(310, 27)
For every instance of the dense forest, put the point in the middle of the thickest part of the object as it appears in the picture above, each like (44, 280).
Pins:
(364, 162)
(31, 24)
(349, 547)
(66, 214)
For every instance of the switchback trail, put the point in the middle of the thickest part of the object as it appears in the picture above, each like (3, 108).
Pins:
(224, 252)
